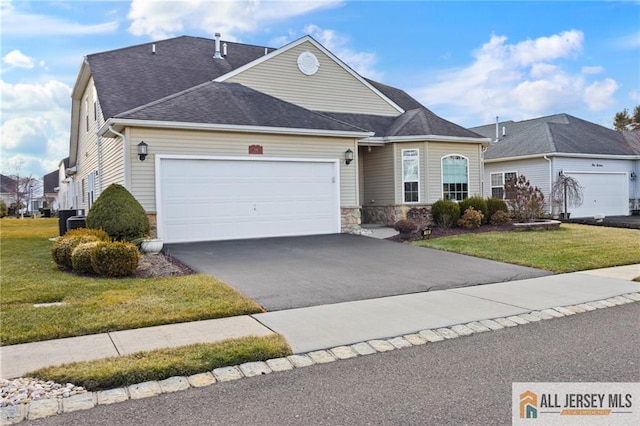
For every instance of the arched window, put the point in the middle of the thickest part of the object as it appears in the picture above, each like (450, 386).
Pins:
(455, 177)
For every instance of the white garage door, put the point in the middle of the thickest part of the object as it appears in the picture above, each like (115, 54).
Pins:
(223, 199)
(604, 194)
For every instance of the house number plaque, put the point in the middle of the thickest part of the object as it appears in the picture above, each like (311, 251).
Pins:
(255, 149)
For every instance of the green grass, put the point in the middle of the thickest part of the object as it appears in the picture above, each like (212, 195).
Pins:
(568, 249)
(29, 276)
(161, 364)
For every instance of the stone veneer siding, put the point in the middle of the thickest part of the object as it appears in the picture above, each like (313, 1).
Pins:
(388, 215)
(350, 218)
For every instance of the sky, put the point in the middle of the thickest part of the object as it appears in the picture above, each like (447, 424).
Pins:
(467, 61)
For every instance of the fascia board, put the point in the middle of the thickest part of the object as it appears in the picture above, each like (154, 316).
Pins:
(563, 155)
(428, 138)
(121, 123)
(311, 40)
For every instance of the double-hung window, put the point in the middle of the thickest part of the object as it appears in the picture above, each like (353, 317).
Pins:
(455, 177)
(411, 175)
(498, 181)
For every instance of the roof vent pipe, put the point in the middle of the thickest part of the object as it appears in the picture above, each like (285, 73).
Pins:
(217, 55)
(153, 48)
(265, 51)
(224, 49)
(504, 131)
(497, 128)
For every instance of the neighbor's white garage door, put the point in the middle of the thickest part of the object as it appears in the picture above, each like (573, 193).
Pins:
(604, 194)
(204, 200)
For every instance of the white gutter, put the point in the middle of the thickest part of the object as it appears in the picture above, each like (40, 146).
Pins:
(108, 126)
(423, 138)
(565, 154)
(125, 157)
(99, 147)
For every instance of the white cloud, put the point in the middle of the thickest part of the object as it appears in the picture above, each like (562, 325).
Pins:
(34, 129)
(628, 42)
(17, 59)
(599, 94)
(161, 19)
(517, 80)
(15, 22)
(362, 62)
(634, 95)
(592, 70)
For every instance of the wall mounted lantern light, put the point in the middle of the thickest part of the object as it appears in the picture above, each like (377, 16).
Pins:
(561, 172)
(632, 176)
(348, 157)
(142, 151)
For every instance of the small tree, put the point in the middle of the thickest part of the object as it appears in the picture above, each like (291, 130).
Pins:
(525, 201)
(567, 191)
(118, 213)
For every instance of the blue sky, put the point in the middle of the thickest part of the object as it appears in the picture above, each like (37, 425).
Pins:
(467, 61)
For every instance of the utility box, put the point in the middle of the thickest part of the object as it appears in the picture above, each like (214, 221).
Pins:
(75, 222)
(63, 215)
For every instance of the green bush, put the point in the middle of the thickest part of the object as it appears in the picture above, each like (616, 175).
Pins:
(4, 210)
(81, 257)
(471, 218)
(115, 259)
(500, 218)
(119, 214)
(496, 204)
(100, 234)
(445, 213)
(478, 203)
(62, 249)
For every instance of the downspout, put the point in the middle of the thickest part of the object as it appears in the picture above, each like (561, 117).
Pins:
(550, 181)
(124, 155)
(99, 146)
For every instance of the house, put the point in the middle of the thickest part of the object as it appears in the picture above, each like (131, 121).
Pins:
(222, 140)
(7, 189)
(606, 163)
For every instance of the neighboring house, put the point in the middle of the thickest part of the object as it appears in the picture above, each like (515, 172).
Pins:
(7, 189)
(606, 163)
(220, 140)
(29, 190)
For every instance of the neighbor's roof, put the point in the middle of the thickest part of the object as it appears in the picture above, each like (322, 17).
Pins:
(560, 133)
(50, 181)
(234, 104)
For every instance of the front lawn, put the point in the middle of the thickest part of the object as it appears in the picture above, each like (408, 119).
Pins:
(568, 249)
(91, 304)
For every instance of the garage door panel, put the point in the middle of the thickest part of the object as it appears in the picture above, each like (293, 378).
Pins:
(230, 199)
(603, 194)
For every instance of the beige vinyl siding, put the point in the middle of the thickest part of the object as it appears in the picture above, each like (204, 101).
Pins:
(202, 143)
(112, 167)
(437, 150)
(87, 160)
(332, 88)
(378, 176)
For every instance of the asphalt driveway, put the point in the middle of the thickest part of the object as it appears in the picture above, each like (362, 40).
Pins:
(295, 272)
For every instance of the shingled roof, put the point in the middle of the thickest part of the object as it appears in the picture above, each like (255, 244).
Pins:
(133, 76)
(234, 104)
(559, 133)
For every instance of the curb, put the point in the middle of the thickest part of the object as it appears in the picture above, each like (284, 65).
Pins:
(50, 407)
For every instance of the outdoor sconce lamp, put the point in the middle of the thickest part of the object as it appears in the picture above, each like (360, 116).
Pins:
(561, 172)
(142, 151)
(348, 157)
(632, 176)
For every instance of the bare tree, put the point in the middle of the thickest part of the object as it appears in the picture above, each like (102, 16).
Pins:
(567, 191)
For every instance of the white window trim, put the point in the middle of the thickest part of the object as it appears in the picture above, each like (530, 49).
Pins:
(504, 180)
(403, 181)
(442, 173)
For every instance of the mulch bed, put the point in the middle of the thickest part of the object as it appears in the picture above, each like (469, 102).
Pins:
(161, 265)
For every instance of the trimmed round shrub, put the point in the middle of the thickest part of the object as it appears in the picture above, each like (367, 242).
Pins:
(100, 234)
(478, 203)
(115, 259)
(471, 219)
(445, 213)
(496, 204)
(405, 226)
(62, 249)
(118, 213)
(500, 218)
(81, 257)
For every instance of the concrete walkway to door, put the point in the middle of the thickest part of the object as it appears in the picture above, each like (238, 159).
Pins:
(296, 272)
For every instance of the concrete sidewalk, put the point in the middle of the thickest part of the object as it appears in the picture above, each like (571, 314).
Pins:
(326, 326)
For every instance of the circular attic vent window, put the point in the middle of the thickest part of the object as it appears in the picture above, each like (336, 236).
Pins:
(308, 63)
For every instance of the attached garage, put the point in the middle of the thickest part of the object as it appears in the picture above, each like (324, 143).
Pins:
(604, 194)
(233, 198)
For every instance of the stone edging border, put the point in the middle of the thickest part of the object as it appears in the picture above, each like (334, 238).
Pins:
(49, 407)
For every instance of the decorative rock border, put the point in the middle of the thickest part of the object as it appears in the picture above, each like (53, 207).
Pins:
(546, 225)
(50, 407)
